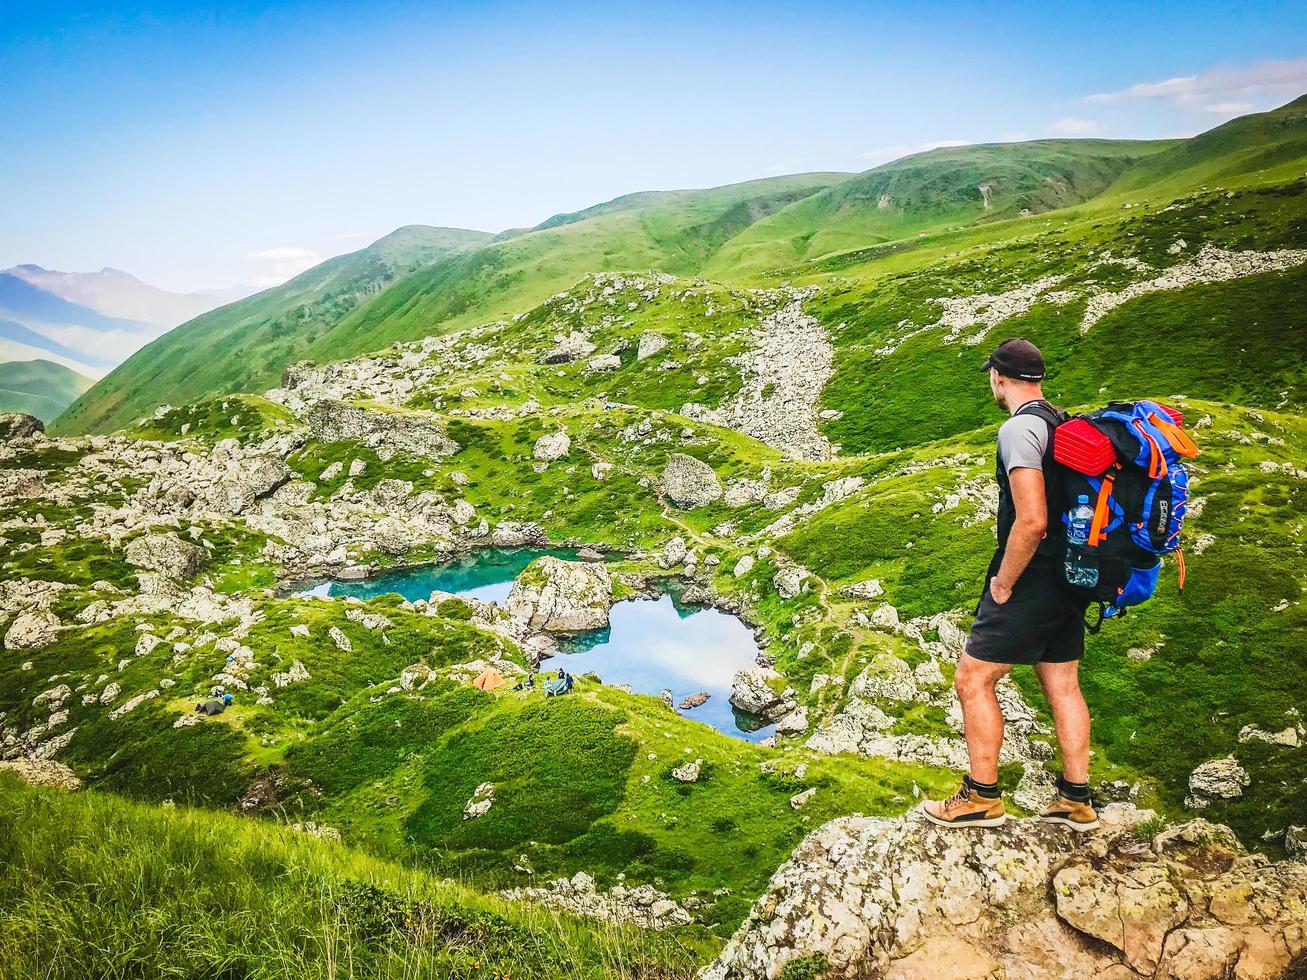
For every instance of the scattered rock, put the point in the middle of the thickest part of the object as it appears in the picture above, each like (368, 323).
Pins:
(688, 772)
(743, 566)
(692, 701)
(673, 553)
(798, 800)
(1251, 733)
(867, 589)
(298, 672)
(573, 347)
(479, 804)
(643, 906)
(414, 676)
(340, 639)
(790, 581)
(795, 723)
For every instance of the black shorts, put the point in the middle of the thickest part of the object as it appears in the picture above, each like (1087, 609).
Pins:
(1040, 623)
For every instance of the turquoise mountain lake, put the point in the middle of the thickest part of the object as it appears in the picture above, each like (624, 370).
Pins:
(651, 644)
(486, 575)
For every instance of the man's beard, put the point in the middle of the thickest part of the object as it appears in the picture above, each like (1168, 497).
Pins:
(1001, 399)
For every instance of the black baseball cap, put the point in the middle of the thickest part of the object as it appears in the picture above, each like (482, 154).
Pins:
(1016, 358)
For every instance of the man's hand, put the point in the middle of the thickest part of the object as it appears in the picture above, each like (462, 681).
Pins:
(999, 592)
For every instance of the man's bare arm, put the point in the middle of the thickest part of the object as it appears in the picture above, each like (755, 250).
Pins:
(1028, 530)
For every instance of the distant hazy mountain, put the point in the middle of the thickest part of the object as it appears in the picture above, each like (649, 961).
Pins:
(119, 294)
(39, 387)
(245, 344)
(88, 322)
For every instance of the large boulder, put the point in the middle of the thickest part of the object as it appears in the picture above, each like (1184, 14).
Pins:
(650, 344)
(408, 432)
(16, 425)
(571, 348)
(563, 596)
(876, 897)
(1218, 779)
(32, 630)
(690, 482)
(166, 554)
(754, 691)
(551, 447)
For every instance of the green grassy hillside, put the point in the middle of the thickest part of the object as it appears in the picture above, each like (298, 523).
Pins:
(244, 346)
(1264, 145)
(81, 875)
(40, 388)
(675, 232)
(933, 190)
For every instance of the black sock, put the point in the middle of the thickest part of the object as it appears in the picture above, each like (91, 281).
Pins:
(988, 790)
(1075, 792)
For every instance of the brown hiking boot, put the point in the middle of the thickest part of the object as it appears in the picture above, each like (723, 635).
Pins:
(1069, 813)
(965, 808)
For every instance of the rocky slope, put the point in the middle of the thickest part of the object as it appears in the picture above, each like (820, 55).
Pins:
(902, 899)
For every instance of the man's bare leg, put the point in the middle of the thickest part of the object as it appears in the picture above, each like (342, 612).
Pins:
(982, 717)
(1061, 683)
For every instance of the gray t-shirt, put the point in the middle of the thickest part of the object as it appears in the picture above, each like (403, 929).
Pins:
(1022, 441)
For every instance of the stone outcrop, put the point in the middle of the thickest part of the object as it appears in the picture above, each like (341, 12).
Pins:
(690, 482)
(42, 772)
(901, 898)
(166, 554)
(16, 425)
(406, 432)
(561, 596)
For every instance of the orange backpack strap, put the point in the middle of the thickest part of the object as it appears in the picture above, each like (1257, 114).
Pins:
(1156, 460)
(1179, 568)
(1101, 512)
(1174, 435)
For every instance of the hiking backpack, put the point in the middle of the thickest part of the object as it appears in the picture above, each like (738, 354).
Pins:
(1127, 460)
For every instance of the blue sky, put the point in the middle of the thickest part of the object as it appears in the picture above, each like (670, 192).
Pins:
(203, 145)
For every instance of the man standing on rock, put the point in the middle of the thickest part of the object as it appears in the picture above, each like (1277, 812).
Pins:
(1024, 615)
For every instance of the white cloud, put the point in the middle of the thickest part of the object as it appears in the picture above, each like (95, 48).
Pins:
(1071, 126)
(1013, 137)
(276, 265)
(897, 150)
(1229, 108)
(1226, 90)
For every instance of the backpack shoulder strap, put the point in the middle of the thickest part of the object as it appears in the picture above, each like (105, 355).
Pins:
(1044, 410)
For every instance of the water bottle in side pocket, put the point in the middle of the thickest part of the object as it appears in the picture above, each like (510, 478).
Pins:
(1081, 563)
